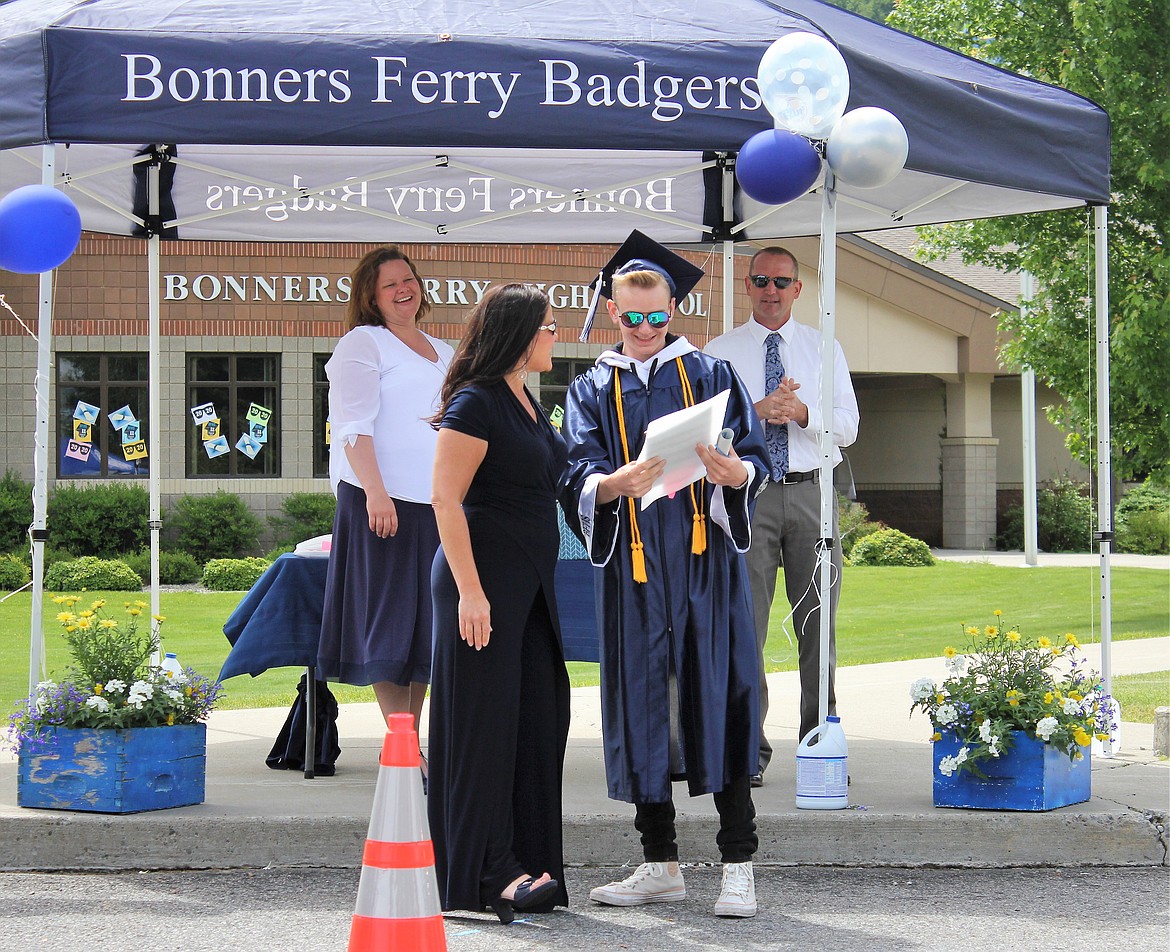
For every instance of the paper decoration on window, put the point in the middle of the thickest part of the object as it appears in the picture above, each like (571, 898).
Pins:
(258, 414)
(258, 432)
(134, 451)
(86, 412)
(211, 430)
(328, 433)
(78, 450)
(131, 432)
(82, 432)
(119, 418)
(217, 446)
(557, 416)
(204, 412)
(248, 446)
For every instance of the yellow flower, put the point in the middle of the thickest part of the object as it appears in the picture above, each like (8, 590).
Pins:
(1082, 739)
(108, 623)
(71, 628)
(141, 604)
(58, 599)
(949, 652)
(972, 630)
(1056, 652)
(940, 698)
(159, 618)
(1048, 697)
(991, 631)
(98, 688)
(1043, 642)
(187, 690)
(83, 624)
(1101, 736)
(997, 613)
(85, 613)
(170, 720)
(1012, 635)
(935, 736)
(98, 604)
(64, 617)
(1076, 696)
(134, 612)
(1071, 639)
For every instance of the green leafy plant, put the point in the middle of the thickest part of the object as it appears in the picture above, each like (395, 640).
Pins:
(233, 575)
(306, 515)
(99, 520)
(854, 525)
(108, 575)
(891, 547)
(1001, 682)
(16, 511)
(1065, 519)
(111, 682)
(13, 573)
(216, 526)
(174, 568)
(1142, 520)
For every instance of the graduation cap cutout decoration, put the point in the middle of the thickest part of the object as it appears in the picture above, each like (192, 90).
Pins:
(640, 252)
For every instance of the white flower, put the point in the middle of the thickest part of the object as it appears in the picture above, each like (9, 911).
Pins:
(946, 714)
(174, 695)
(985, 730)
(923, 688)
(1071, 706)
(1045, 727)
(962, 755)
(993, 747)
(115, 685)
(97, 703)
(140, 693)
(947, 766)
(957, 664)
(45, 687)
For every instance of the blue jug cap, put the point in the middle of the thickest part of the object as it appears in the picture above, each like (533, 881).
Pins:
(833, 719)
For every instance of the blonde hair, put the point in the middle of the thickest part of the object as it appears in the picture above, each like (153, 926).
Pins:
(639, 279)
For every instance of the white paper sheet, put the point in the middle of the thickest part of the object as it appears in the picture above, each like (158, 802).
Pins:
(673, 437)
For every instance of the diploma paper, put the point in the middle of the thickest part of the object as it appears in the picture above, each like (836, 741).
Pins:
(673, 437)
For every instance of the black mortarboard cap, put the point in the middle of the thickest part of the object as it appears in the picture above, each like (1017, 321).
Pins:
(640, 252)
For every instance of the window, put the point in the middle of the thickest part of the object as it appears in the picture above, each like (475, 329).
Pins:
(320, 415)
(232, 383)
(108, 382)
(554, 385)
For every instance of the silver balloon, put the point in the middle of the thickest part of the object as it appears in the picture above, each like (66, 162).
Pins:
(868, 147)
(804, 83)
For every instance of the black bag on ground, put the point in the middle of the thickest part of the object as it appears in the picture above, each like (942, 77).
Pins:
(288, 753)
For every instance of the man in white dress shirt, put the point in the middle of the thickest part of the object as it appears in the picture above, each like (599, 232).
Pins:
(779, 361)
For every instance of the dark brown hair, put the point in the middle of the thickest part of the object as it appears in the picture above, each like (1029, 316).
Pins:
(363, 292)
(499, 333)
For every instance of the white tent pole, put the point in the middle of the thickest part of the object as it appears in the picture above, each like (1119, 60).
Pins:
(36, 654)
(828, 279)
(154, 382)
(1028, 420)
(1104, 536)
(728, 201)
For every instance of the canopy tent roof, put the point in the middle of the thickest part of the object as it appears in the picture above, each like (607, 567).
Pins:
(483, 120)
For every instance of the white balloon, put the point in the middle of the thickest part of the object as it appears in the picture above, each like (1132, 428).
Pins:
(868, 147)
(804, 83)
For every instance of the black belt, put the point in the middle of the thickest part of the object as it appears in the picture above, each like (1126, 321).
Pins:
(792, 478)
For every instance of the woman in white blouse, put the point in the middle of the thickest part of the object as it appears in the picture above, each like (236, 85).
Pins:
(384, 380)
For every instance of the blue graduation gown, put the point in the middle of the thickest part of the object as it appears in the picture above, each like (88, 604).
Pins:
(692, 618)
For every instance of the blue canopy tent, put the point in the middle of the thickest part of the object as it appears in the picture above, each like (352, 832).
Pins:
(489, 121)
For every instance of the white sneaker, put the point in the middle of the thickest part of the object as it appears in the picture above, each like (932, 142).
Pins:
(738, 896)
(650, 882)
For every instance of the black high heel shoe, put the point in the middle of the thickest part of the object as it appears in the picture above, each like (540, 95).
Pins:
(527, 896)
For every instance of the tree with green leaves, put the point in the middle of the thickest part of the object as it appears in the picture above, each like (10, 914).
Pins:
(1114, 53)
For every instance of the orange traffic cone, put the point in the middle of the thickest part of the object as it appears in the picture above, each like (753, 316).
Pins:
(398, 895)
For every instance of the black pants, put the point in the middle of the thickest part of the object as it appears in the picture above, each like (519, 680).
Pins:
(737, 838)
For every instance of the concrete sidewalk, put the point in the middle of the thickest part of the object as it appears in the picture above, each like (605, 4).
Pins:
(255, 817)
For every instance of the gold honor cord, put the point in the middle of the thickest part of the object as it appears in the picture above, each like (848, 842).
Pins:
(699, 527)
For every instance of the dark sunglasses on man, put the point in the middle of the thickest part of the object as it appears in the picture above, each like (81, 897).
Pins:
(634, 318)
(781, 281)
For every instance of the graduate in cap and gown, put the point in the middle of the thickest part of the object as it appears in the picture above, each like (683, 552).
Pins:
(679, 667)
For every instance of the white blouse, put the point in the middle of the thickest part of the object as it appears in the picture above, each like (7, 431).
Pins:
(379, 387)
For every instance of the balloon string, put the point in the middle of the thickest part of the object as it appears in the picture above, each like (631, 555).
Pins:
(8, 308)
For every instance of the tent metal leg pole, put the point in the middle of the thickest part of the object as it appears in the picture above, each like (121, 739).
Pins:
(1028, 423)
(728, 286)
(1104, 452)
(828, 279)
(36, 654)
(154, 253)
(310, 722)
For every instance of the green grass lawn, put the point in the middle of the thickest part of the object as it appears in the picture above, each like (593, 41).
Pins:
(886, 614)
(1139, 694)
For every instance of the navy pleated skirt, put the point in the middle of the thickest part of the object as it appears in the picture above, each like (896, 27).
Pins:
(377, 619)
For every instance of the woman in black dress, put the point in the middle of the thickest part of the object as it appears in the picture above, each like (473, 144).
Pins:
(499, 689)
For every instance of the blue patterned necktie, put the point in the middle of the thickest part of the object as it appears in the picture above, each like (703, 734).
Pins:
(776, 434)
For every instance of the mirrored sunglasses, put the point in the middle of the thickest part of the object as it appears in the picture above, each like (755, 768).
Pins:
(761, 281)
(634, 318)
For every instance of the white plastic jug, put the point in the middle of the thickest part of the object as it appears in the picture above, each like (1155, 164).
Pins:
(822, 769)
(171, 665)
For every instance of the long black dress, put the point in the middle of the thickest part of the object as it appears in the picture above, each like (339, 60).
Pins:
(500, 716)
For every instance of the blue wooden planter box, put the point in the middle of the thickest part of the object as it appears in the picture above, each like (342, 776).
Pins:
(1031, 776)
(115, 771)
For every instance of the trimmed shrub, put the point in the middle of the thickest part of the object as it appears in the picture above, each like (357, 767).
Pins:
(279, 551)
(99, 520)
(89, 572)
(16, 511)
(1142, 520)
(891, 547)
(1065, 519)
(854, 525)
(306, 515)
(13, 573)
(218, 526)
(233, 575)
(174, 568)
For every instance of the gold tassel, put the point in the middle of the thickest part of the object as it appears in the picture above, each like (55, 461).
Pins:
(699, 534)
(638, 558)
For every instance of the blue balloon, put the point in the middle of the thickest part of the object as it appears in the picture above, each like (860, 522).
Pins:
(39, 229)
(776, 167)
